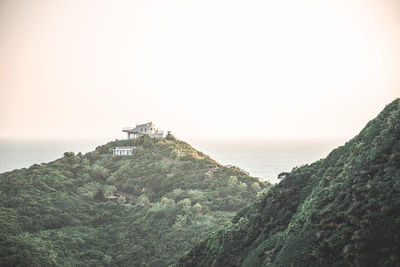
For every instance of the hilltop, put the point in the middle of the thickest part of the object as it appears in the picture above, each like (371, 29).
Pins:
(169, 197)
(343, 210)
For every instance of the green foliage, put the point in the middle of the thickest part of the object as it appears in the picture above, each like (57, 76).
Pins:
(167, 202)
(181, 221)
(99, 173)
(94, 190)
(144, 200)
(90, 190)
(339, 211)
(56, 214)
(108, 190)
(170, 137)
(197, 207)
(121, 199)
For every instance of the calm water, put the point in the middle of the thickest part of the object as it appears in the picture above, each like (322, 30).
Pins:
(261, 158)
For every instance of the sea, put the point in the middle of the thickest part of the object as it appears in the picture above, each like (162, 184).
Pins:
(262, 158)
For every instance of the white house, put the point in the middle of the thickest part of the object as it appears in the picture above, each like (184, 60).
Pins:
(143, 129)
(123, 150)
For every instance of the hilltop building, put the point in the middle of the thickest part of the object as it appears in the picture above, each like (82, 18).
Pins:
(143, 129)
(123, 150)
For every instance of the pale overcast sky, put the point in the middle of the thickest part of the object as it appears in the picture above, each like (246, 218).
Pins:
(204, 68)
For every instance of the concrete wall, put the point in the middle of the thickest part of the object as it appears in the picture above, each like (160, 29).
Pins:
(123, 151)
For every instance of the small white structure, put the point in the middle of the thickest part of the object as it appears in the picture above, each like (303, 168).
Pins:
(143, 129)
(123, 150)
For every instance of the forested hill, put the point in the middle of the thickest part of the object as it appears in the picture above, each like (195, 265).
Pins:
(169, 197)
(343, 210)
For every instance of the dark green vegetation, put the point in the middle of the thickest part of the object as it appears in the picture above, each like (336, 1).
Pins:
(57, 213)
(343, 210)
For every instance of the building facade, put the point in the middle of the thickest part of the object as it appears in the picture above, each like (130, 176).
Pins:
(123, 150)
(149, 129)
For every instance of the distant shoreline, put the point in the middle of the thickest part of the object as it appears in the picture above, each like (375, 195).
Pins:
(264, 159)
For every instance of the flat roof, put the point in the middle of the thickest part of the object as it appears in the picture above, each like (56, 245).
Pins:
(145, 124)
(132, 131)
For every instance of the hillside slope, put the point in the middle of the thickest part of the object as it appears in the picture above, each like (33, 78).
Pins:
(170, 197)
(343, 210)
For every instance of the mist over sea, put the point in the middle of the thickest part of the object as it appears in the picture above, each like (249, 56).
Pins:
(261, 158)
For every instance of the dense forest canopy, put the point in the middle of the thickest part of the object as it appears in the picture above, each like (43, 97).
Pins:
(171, 197)
(151, 208)
(343, 210)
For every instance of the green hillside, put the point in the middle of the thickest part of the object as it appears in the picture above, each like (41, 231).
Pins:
(170, 197)
(343, 210)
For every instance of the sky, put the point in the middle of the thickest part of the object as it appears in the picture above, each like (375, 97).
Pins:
(206, 69)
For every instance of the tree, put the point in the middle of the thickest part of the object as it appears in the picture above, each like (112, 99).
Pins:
(107, 259)
(108, 190)
(170, 136)
(69, 154)
(98, 172)
(144, 200)
(167, 202)
(197, 207)
(90, 190)
(181, 221)
(255, 187)
(282, 175)
(121, 199)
